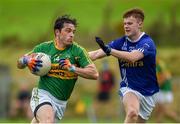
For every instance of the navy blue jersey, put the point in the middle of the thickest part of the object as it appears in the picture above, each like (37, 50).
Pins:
(140, 75)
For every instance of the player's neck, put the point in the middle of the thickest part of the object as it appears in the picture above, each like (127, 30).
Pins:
(59, 44)
(136, 37)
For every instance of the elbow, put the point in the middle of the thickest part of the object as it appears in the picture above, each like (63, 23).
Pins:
(96, 76)
(132, 60)
(20, 66)
(134, 57)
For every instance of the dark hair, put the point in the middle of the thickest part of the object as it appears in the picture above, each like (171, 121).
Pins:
(59, 23)
(136, 13)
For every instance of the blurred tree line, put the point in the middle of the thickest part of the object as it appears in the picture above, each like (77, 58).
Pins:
(164, 33)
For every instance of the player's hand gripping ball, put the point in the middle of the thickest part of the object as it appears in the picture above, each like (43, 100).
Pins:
(38, 63)
(66, 65)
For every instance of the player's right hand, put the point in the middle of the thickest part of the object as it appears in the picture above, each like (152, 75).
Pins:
(32, 63)
(104, 47)
(66, 65)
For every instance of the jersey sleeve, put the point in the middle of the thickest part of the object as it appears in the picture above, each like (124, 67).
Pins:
(147, 48)
(83, 58)
(116, 44)
(34, 50)
(158, 68)
(43, 47)
(38, 48)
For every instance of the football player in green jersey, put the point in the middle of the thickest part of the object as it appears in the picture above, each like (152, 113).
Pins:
(165, 95)
(68, 61)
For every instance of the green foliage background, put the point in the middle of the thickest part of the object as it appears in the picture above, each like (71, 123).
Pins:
(31, 20)
(25, 23)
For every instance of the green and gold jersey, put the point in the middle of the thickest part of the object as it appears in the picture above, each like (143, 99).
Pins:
(58, 82)
(161, 69)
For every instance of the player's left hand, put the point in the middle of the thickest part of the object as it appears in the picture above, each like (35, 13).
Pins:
(33, 64)
(66, 65)
(104, 47)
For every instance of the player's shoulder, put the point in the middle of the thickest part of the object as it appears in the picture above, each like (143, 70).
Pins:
(116, 42)
(44, 46)
(146, 38)
(78, 49)
(120, 39)
(75, 45)
(46, 43)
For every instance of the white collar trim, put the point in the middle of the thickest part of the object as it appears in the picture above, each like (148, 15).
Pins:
(137, 39)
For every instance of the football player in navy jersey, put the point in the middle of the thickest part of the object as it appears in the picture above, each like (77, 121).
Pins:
(136, 54)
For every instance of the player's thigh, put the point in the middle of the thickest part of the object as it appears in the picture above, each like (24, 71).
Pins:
(45, 113)
(131, 101)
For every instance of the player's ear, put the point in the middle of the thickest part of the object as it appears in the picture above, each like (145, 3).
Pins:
(140, 24)
(57, 32)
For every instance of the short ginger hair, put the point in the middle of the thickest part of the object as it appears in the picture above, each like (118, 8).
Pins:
(136, 13)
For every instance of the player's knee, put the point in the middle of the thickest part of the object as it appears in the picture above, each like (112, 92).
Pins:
(132, 114)
(47, 118)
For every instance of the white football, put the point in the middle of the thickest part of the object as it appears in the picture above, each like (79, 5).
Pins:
(46, 64)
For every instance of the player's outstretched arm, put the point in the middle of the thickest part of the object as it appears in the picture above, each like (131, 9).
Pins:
(100, 53)
(132, 56)
(105, 48)
(97, 54)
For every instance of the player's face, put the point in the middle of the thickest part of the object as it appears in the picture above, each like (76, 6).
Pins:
(132, 27)
(66, 35)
